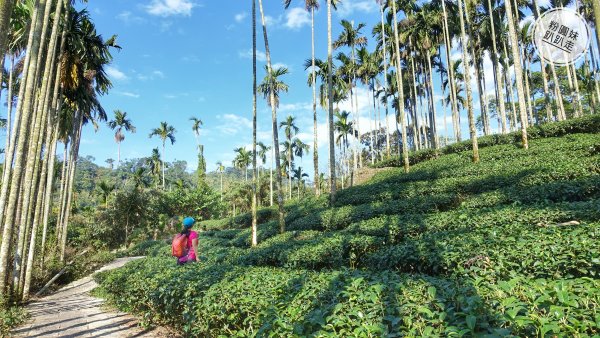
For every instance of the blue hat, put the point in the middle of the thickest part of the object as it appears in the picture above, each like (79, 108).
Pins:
(188, 222)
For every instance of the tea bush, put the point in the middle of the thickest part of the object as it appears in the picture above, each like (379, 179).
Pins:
(506, 247)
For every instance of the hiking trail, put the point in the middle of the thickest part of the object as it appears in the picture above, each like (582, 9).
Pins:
(73, 312)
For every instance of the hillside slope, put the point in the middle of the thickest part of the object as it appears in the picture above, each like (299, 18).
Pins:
(509, 246)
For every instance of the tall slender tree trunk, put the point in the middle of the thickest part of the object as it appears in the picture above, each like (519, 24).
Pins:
(579, 111)
(63, 190)
(416, 125)
(254, 239)
(9, 103)
(385, 84)
(48, 197)
(271, 176)
(26, 104)
(495, 56)
(451, 81)
(432, 121)
(467, 72)
(400, 89)
(11, 148)
(595, 72)
(221, 186)
(6, 9)
(485, 99)
(274, 125)
(290, 167)
(314, 88)
(74, 155)
(163, 165)
(596, 8)
(332, 181)
(518, 71)
(481, 95)
(561, 116)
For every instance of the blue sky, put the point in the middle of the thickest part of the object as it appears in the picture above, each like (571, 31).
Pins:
(184, 58)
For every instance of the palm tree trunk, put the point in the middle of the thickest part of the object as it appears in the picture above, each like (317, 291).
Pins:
(416, 124)
(371, 131)
(499, 87)
(530, 98)
(254, 240)
(63, 190)
(221, 186)
(9, 103)
(11, 148)
(48, 196)
(518, 71)
(558, 92)
(595, 73)
(486, 101)
(483, 106)
(44, 124)
(10, 143)
(432, 121)
(314, 87)
(400, 90)
(510, 91)
(74, 156)
(385, 84)
(332, 184)
(271, 178)
(290, 167)
(467, 72)
(579, 112)
(274, 125)
(453, 95)
(23, 131)
(163, 165)
(38, 211)
(6, 9)
(30, 180)
(596, 7)
(444, 105)
(356, 153)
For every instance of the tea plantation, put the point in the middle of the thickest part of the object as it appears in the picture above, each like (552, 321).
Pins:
(506, 247)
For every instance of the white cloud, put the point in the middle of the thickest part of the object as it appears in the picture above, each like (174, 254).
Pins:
(247, 54)
(272, 22)
(157, 74)
(348, 7)
(240, 17)
(166, 8)
(295, 107)
(115, 73)
(296, 18)
(129, 18)
(231, 124)
(129, 94)
(281, 65)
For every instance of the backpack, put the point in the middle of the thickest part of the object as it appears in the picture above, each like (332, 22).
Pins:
(179, 245)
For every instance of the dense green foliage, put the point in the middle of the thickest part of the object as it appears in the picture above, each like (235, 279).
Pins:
(587, 124)
(506, 247)
(11, 317)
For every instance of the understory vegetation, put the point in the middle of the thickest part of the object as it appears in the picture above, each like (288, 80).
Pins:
(506, 247)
